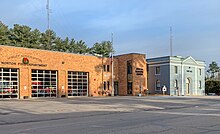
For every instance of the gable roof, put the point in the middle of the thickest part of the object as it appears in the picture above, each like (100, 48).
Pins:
(190, 57)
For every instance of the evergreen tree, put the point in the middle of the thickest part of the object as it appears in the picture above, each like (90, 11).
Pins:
(24, 36)
(213, 69)
(20, 36)
(104, 48)
(48, 39)
(4, 34)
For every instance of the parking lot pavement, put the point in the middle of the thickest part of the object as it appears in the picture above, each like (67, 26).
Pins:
(88, 104)
(63, 105)
(147, 114)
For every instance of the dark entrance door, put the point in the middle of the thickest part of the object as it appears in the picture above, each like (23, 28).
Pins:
(116, 92)
(129, 88)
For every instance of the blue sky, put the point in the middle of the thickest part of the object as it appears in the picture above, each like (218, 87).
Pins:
(138, 25)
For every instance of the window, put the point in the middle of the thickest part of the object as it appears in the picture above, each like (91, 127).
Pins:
(176, 84)
(104, 68)
(104, 85)
(200, 71)
(176, 69)
(108, 68)
(108, 85)
(157, 71)
(129, 67)
(200, 84)
(158, 85)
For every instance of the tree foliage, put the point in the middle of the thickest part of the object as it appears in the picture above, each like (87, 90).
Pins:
(213, 69)
(4, 34)
(212, 86)
(104, 48)
(24, 36)
(48, 39)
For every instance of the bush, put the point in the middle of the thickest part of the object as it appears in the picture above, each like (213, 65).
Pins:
(212, 86)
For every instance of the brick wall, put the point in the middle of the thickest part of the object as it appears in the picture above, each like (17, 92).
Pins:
(64, 62)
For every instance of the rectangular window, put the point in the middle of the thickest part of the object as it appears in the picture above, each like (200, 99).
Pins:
(104, 85)
(108, 85)
(176, 69)
(200, 84)
(200, 71)
(176, 84)
(104, 68)
(157, 71)
(158, 85)
(129, 67)
(108, 68)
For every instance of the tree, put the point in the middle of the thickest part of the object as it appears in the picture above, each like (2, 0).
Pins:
(212, 86)
(213, 69)
(72, 46)
(48, 39)
(4, 34)
(61, 45)
(24, 36)
(104, 48)
(35, 39)
(81, 47)
(20, 35)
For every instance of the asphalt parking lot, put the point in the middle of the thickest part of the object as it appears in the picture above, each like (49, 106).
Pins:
(111, 115)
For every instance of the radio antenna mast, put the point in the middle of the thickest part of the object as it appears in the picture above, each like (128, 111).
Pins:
(171, 41)
(48, 22)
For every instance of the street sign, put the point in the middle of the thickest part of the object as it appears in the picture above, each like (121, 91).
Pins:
(164, 89)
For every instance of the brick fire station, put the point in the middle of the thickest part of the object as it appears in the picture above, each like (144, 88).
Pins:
(33, 73)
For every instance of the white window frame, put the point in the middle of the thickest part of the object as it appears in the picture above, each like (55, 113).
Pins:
(200, 71)
(176, 83)
(175, 69)
(156, 87)
(156, 70)
(200, 84)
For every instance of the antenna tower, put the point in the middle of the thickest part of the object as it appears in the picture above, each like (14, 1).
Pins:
(48, 23)
(171, 41)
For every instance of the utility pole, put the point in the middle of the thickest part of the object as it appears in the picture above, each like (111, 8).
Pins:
(48, 22)
(102, 76)
(171, 41)
(112, 62)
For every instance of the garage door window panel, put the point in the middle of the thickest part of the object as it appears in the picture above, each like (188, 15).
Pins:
(44, 83)
(9, 83)
(77, 83)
